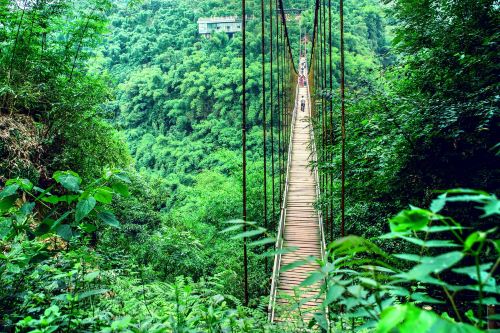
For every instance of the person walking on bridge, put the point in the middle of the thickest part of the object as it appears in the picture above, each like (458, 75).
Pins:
(302, 104)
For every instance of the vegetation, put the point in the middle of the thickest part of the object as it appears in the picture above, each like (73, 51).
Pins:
(120, 166)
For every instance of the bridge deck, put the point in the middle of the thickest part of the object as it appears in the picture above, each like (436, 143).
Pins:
(301, 227)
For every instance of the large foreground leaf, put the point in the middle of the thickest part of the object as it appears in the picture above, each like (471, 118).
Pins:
(411, 319)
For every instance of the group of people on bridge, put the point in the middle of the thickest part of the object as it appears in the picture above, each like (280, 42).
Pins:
(302, 83)
(302, 77)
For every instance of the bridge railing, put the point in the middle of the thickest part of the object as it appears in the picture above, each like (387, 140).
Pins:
(282, 221)
(316, 180)
(316, 175)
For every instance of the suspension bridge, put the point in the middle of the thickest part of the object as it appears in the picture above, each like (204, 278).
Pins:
(300, 226)
(301, 110)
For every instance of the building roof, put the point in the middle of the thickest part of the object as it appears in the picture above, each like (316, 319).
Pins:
(222, 19)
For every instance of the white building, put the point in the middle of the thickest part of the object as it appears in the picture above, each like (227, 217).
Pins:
(227, 24)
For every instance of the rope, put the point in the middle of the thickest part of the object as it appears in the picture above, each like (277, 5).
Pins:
(244, 145)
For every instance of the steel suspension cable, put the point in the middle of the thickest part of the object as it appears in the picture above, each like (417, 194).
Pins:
(272, 105)
(324, 94)
(323, 113)
(331, 114)
(315, 33)
(342, 101)
(244, 148)
(278, 63)
(288, 46)
(264, 120)
(283, 106)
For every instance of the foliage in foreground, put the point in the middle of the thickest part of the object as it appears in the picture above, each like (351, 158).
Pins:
(55, 277)
(447, 266)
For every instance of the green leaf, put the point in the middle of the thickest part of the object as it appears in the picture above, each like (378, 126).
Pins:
(121, 189)
(13, 268)
(488, 301)
(438, 204)
(24, 184)
(481, 198)
(410, 219)
(431, 243)
(64, 231)
(87, 227)
(293, 265)
(122, 176)
(89, 277)
(84, 207)
(354, 244)
(7, 203)
(8, 191)
(262, 241)
(393, 235)
(60, 219)
(5, 227)
(68, 179)
(327, 268)
(378, 268)
(465, 191)
(104, 195)
(440, 243)
(312, 279)
(491, 208)
(93, 292)
(321, 320)
(496, 244)
(398, 291)
(249, 233)
(109, 218)
(433, 265)
(471, 271)
(408, 318)
(333, 294)
(54, 199)
(421, 297)
(357, 291)
(27, 208)
(475, 237)
(409, 257)
(441, 228)
(241, 222)
(232, 228)
(237, 221)
(390, 318)
(350, 302)
(272, 253)
(368, 282)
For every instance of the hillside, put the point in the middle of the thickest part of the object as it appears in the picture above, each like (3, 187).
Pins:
(121, 165)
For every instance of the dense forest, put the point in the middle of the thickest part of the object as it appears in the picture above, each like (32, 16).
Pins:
(121, 167)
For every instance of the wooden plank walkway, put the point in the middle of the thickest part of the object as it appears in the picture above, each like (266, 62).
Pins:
(301, 228)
